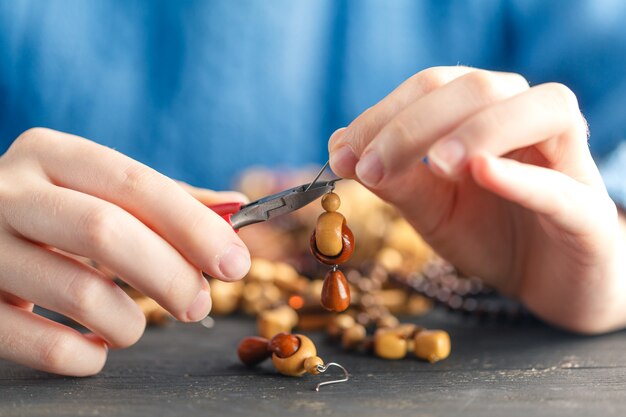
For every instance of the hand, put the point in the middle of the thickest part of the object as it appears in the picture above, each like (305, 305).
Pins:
(510, 192)
(62, 195)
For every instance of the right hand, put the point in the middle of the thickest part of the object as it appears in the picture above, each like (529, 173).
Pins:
(62, 195)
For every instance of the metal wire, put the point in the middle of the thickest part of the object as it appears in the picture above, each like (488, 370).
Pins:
(319, 174)
(323, 368)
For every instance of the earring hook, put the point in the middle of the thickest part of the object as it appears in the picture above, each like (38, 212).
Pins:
(323, 368)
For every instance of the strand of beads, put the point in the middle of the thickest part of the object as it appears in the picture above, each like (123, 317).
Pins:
(332, 243)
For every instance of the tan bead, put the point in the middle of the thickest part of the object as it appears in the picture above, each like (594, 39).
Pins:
(389, 345)
(387, 321)
(154, 313)
(294, 364)
(311, 364)
(339, 324)
(225, 296)
(353, 336)
(277, 320)
(328, 238)
(261, 270)
(432, 345)
(331, 202)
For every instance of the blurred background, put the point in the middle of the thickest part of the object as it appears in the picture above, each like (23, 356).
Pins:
(203, 90)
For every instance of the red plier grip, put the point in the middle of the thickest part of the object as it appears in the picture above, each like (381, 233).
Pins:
(226, 210)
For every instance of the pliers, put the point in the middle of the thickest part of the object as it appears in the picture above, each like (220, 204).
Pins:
(239, 215)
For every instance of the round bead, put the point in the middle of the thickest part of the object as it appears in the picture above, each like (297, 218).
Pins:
(294, 364)
(284, 345)
(345, 254)
(311, 364)
(432, 345)
(339, 324)
(331, 202)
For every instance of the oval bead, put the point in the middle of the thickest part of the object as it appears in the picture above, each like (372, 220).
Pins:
(346, 252)
(253, 350)
(335, 292)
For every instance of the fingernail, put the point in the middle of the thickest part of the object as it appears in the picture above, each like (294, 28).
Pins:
(200, 307)
(447, 155)
(370, 169)
(235, 262)
(343, 161)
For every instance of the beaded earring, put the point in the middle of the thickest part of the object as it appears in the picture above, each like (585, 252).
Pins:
(292, 355)
(332, 243)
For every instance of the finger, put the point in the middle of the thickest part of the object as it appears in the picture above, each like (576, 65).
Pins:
(209, 197)
(567, 203)
(346, 144)
(90, 227)
(39, 343)
(546, 115)
(408, 135)
(200, 235)
(71, 288)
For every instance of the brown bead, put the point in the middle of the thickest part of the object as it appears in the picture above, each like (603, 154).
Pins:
(432, 345)
(284, 345)
(311, 364)
(345, 254)
(253, 350)
(294, 364)
(335, 292)
(331, 202)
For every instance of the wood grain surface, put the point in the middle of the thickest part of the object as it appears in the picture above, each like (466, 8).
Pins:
(496, 369)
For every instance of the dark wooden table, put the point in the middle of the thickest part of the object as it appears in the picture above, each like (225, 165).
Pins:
(494, 370)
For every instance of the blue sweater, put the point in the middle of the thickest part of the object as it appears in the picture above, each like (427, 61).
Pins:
(200, 90)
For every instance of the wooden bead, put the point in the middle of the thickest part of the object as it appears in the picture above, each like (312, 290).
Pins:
(339, 324)
(353, 336)
(328, 238)
(294, 364)
(311, 364)
(331, 202)
(335, 292)
(253, 350)
(278, 320)
(389, 345)
(346, 252)
(284, 345)
(432, 345)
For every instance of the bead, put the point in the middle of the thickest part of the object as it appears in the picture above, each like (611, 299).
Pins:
(225, 296)
(339, 324)
(284, 345)
(389, 345)
(331, 202)
(311, 364)
(335, 292)
(353, 336)
(387, 321)
(294, 364)
(432, 345)
(280, 319)
(344, 255)
(253, 350)
(328, 239)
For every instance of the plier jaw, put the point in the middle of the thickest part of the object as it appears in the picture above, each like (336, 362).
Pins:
(284, 202)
